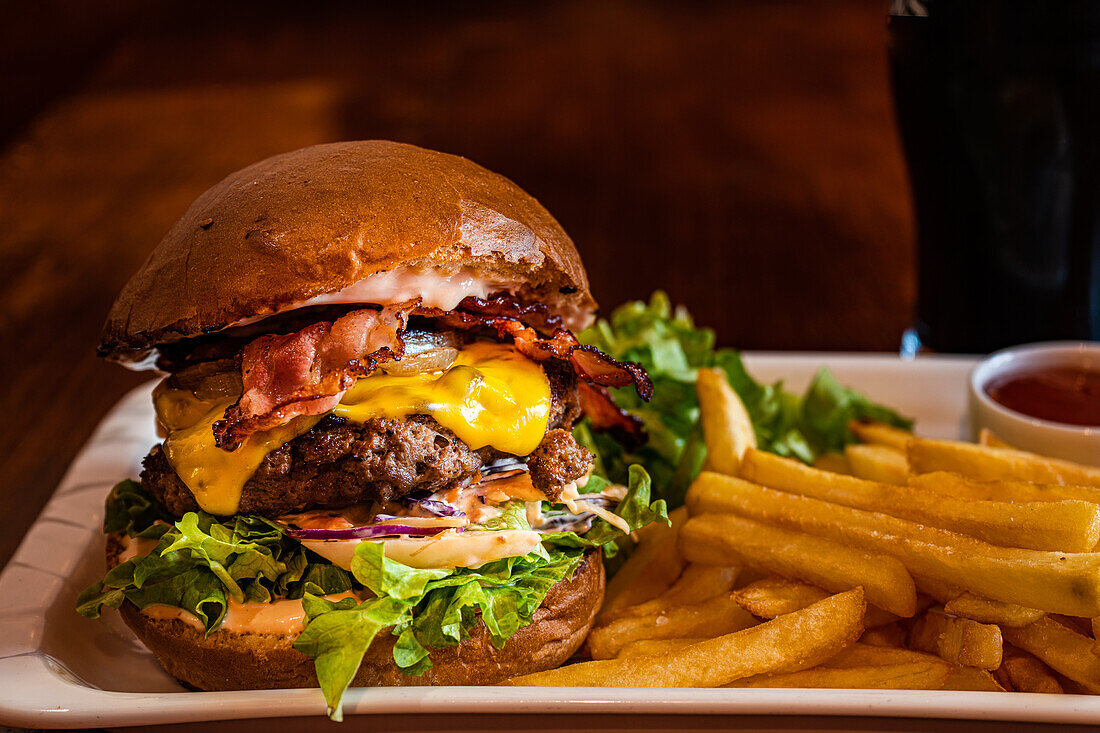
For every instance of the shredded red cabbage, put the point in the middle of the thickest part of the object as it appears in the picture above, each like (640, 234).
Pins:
(438, 508)
(367, 532)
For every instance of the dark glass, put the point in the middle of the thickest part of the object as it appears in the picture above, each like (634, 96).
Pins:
(997, 102)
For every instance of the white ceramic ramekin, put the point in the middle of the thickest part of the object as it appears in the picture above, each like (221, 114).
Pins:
(1058, 440)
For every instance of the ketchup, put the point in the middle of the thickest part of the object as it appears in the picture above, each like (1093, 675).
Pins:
(1059, 394)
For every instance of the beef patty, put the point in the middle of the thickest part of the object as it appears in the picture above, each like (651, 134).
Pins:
(338, 463)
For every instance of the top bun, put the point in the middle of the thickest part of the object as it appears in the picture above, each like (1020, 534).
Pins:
(319, 219)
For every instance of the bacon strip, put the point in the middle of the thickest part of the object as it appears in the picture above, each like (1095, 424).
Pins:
(606, 416)
(502, 305)
(590, 364)
(307, 372)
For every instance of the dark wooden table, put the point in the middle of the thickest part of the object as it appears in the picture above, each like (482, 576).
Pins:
(740, 155)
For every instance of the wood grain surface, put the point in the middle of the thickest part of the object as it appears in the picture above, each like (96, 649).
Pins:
(740, 155)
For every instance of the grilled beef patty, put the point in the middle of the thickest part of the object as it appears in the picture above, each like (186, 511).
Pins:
(339, 463)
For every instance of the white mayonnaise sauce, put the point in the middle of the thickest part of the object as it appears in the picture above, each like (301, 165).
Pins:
(436, 287)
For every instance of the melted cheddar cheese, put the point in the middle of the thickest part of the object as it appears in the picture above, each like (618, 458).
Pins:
(491, 395)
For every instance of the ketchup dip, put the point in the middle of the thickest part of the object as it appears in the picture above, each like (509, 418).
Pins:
(1059, 394)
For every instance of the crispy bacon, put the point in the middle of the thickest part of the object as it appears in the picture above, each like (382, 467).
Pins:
(307, 372)
(502, 305)
(606, 416)
(590, 364)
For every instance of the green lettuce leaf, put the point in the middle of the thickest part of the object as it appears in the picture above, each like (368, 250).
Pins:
(671, 348)
(424, 610)
(200, 562)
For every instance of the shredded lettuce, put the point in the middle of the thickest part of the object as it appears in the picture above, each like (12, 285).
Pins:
(200, 562)
(671, 348)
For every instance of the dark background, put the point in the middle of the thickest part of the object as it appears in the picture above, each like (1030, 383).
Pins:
(740, 155)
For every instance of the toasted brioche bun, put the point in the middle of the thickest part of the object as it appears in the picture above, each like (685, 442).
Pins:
(236, 661)
(319, 219)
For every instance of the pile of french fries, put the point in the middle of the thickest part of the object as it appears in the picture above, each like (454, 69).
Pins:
(903, 563)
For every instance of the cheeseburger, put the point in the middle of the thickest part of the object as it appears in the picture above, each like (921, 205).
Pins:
(367, 474)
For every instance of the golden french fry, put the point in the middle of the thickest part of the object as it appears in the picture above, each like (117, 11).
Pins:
(926, 675)
(890, 635)
(996, 464)
(1050, 581)
(877, 433)
(727, 427)
(1082, 626)
(719, 615)
(867, 655)
(1067, 526)
(987, 438)
(650, 571)
(969, 605)
(1061, 648)
(972, 679)
(722, 539)
(952, 484)
(878, 463)
(696, 584)
(958, 640)
(777, 596)
(789, 643)
(833, 462)
(1028, 674)
(773, 597)
(876, 617)
(650, 647)
(1001, 676)
(937, 589)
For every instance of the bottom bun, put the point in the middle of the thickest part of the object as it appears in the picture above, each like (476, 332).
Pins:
(234, 661)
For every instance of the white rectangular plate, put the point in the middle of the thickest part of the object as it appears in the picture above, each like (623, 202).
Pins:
(58, 670)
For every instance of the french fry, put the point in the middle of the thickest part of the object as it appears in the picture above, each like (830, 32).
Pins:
(996, 464)
(952, 484)
(833, 462)
(867, 655)
(1060, 648)
(1096, 634)
(727, 427)
(925, 675)
(937, 589)
(969, 605)
(696, 584)
(958, 640)
(972, 679)
(650, 571)
(1050, 581)
(986, 437)
(1028, 674)
(722, 539)
(890, 635)
(774, 597)
(719, 615)
(649, 647)
(876, 617)
(789, 643)
(1067, 526)
(1082, 626)
(878, 463)
(877, 433)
